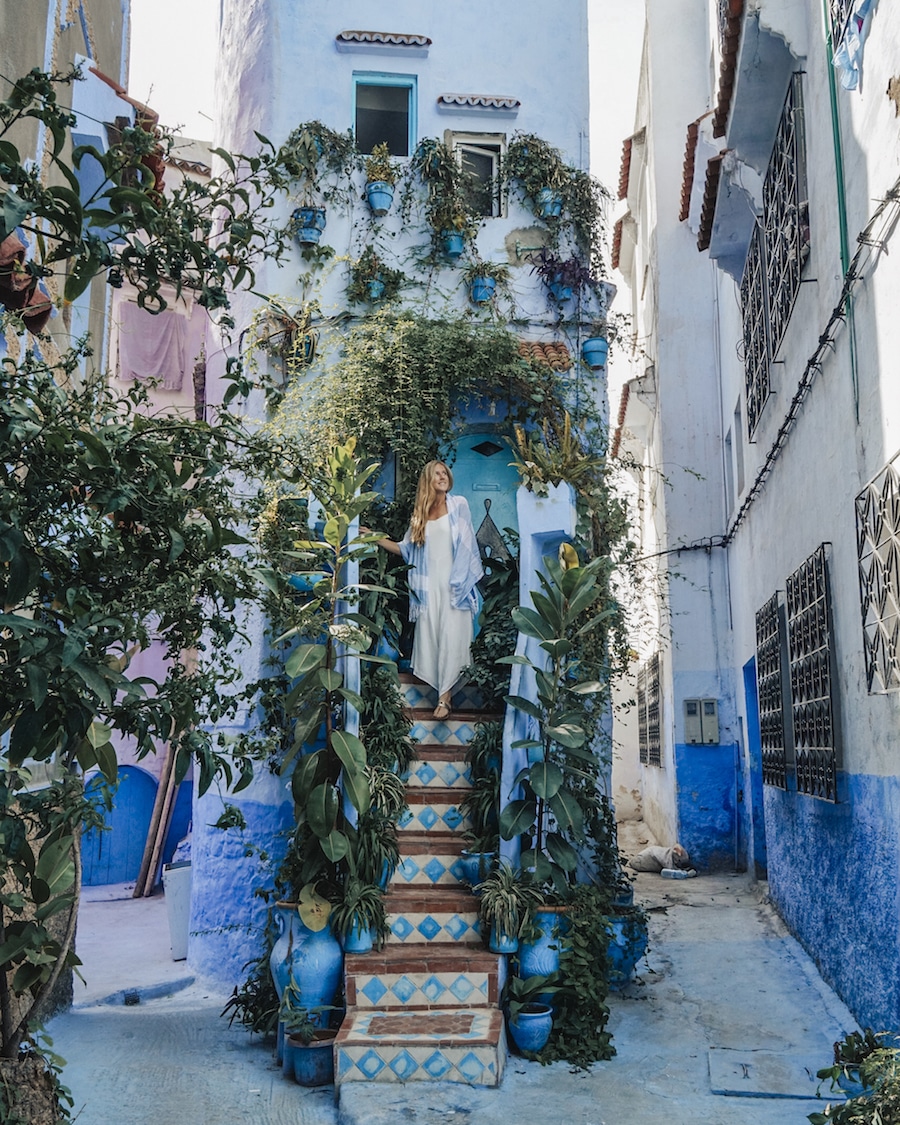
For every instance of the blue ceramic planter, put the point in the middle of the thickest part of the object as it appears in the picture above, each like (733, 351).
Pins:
(380, 196)
(309, 222)
(359, 939)
(453, 243)
(594, 351)
(311, 959)
(627, 945)
(531, 1028)
(482, 290)
(374, 288)
(560, 292)
(549, 203)
(501, 942)
(540, 957)
(313, 1062)
(476, 866)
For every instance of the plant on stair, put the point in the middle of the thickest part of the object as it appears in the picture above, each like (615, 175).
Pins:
(497, 633)
(505, 898)
(480, 804)
(550, 815)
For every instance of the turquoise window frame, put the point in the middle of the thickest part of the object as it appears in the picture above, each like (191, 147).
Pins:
(403, 81)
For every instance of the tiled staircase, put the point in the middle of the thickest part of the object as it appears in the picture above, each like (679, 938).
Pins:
(425, 1008)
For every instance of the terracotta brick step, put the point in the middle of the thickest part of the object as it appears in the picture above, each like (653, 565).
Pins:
(435, 975)
(447, 1045)
(431, 843)
(443, 899)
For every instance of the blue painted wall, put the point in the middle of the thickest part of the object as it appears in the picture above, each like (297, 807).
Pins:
(706, 803)
(227, 919)
(756, 819)
(834, 874)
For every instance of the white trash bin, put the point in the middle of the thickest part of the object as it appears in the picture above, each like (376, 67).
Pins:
(177, 885)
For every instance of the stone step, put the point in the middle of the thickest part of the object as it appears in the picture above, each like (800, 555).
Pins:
(455, 731)
(439, 767)
(435, 975)
(417, 915)
(417, 693)
(429, 859)
(466, 1045)
(433, 810)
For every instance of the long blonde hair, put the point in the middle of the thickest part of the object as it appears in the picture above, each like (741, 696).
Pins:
(426, 494)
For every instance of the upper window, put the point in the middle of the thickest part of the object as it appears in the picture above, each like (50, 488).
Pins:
(839, 11)
(479, 154)
(778, 251)
(384, 111)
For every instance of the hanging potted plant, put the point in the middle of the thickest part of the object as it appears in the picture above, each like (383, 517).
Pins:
(564, 278)
(538, 170)
(381, 175)
(371, 281)
(450, 202)
(319, 160)
(481, 278)
(506, 896)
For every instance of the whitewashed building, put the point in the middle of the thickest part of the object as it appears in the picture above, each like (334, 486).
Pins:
(761, 188)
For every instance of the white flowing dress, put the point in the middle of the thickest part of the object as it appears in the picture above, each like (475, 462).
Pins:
(443, 634)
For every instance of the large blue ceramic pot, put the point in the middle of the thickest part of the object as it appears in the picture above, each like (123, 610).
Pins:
(540, 956)
(311, 958)
(627, 945)
(314, 1062)
(531, 1027)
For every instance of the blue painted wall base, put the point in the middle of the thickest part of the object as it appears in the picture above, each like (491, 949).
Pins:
(834, 875)
(706, 797)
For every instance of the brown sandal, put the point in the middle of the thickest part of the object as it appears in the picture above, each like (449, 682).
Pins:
(442, 711)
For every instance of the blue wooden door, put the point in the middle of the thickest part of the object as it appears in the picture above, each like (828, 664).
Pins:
(482, 472)
(114, 856)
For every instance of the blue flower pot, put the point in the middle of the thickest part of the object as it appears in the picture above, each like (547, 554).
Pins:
(476, 866)
(549, 203)
(313, 959)
(540, 957)
(374, 288)
(594, 351)
(560, 292)
(627, 945)
(314, 1062)
(501, 942)
(453, 243)
(482, 290)
(309, 222)
(531, 1028)
(359, 939)
(380, 196)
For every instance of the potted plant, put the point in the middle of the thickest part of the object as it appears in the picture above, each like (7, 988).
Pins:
(381, 175)
(529, 1015)
(359, 916)
(564, 278)
(481, 279)
(308, 1046)
(451, 193)
(506, 896)
(371, 280)
(875, 1099)
(318, 160)
(306, 956)
(849, 1054)
(627, 929)
(539, 171)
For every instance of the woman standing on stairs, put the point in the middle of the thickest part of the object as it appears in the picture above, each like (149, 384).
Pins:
(445, 566)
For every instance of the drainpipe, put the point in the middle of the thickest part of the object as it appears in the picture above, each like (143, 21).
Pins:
(842, 201)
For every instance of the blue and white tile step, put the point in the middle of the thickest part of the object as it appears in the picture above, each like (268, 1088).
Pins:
(425, 813)
(457, 1045)
(418, 927)
(419, 695)
(444, 732)
(429, 869)
(434, 770)
(422, 990)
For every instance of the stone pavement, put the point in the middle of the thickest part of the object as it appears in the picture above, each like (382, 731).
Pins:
(725, 1025)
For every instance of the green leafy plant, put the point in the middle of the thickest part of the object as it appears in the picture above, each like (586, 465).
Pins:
(497, 635)
(550, 810)
(451, 201)
(521, 992)
(499, 271)
(379, 167)
(319, 160)
(254, 1002)
(384, 722)
(369, 267)
(361, 907)
(531, 164)
(879, 1075)
(505, 897)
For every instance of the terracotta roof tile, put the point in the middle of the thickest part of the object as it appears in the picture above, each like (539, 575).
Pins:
(730, 40)
(687, 180)
(386, 38)
(554, 355)
(625, 167)
(479, 101)
(708, 208)
(617, 243)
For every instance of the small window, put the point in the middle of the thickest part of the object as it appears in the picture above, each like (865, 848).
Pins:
(479, 155)
(384, 111)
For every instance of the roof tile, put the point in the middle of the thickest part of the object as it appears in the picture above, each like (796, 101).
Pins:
(554, 354)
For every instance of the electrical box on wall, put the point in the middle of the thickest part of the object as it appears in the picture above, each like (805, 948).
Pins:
(701, 721)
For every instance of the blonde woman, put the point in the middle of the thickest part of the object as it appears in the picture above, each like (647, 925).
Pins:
(445, 566)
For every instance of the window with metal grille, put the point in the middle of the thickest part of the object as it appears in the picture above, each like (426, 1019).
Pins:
(755, 331)
(480, 154)
(812, 687)
(778, 251)
(770, 665)
(649, 717)
(878, 549)
(839, 10)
